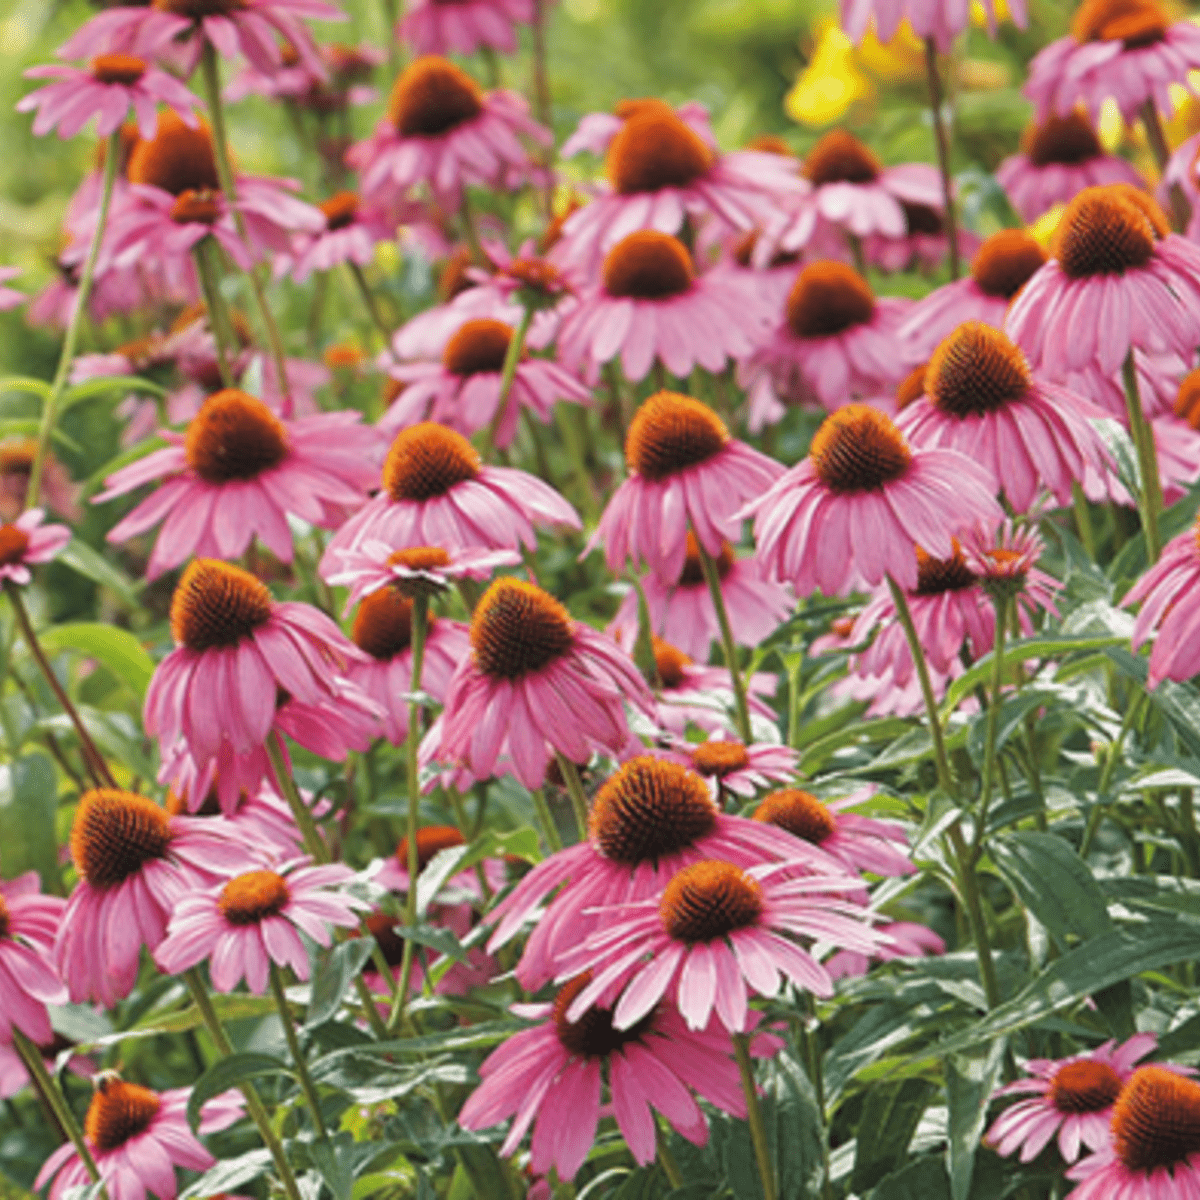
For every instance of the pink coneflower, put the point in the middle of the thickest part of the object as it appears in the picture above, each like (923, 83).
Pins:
(940, 20)
(648, 821)
(853, 511)
(923, 246)
(836, 342)
(906, 940)
(341, 84)
(261, 818)
(1118, 279)
(732, 766)
(16, 462)
(138, 1138)
(1004, 558)
(536, 682)
(650, 305)
(462, 390)
(1181, 172)
(351, 233)
(1153, 1151)
(595, 132)
(690, 694)
(28, 924)
(858, 843)
(107, 89)
(240, 471)
(464, 26)
(1059, 157)
(27, 541)
(1126, 50)
(1003, 266)
(10, 297)
(553, 1075)
(1071, 1097)
(442, 130)
(1026, 433)
(684, 471)
(242, 926)
(436, 491)
(683, 612)
(661, 172)
(715, 929)
(135, 862)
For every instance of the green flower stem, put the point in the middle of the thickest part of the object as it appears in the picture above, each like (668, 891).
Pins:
(942, 137)
(993, 723)
(1143, 442)
(254, 1105)
(758, 1133)
(541, 96)
(1181, 210)
(205, 257)
(713, 578)
(512, 357)
(466, 829)
(289, 1032)
(94, 761)
(112, 159)
(369, 302)
(1132, 709)
(666, 1159)
(1083, 521)
(546, 819)
(31, 1056)
(579, 800)
(301, 813)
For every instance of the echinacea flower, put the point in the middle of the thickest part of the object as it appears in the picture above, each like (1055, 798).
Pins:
(10, 297)
(341, 83)
(436, 491)
(536, 683)
(435, 27)
(107, 89)
(1180, 172)
(941, 21)
(242, 926)
(1071, 1097)
(1127, 50)
(854, 510)
(60, 494)
(1004, 556)
(551, 1077)
(1003, 265)
(1059, 157)
(135, 862)
(441, 129)
(924, 245)
(1118, 279)
(239, 471)
(650, 305)
(261, 818)
(652, 818)
(691, 694)
(28, 924)
(1025, 432)
(1153, 1151)
(742, 769)
(351, 233)
(684, 471)
(27, 541)
(138, 1138)
(906, 939)
(715, 929)
(462, 389)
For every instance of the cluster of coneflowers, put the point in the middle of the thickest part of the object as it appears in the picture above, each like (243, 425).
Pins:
(687, 292)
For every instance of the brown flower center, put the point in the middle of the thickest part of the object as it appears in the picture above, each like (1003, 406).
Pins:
(383, 929)
(650, 809)
(1103, 232)
(478, 348)
(1084, 1086)
(252, 897)
(197, 10)
(720, 758)
(537, 275)
(431, 840)
(709, 900)
(432, 97)
(117, 68)
(671, 433)
(921, 219)
(518, 629)
(1134, 22)
(177, 159)
(118, 1111)
(593, 1035)
(799, 812)
(383, 624)
(911, 388)
(426, 461)
(1187, 408)
(1156, 1120)
(1004, 264)
(13, 544)
(1068, 140)
(5, 919)
(654, 149)
(420, 558)
(858, 448)
(828, 298)
(669, 662)
(938, 575)
(217, 604)
(976, 370)
(196, 207)
(234, 436)
(839, 157)
(115, 834)
(340, 210)
(771, 143)
(648, 265)
(692, 574)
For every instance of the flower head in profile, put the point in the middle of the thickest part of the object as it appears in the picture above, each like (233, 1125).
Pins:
(905, 939)
(740, 769)
(1004, 559)
(350, 234)
(27, 542)
(940, 20)
(435, 27)
(138, 1138)
(685, 471)
(28, 983)
(415, 570)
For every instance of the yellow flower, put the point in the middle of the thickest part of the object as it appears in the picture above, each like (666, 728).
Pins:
(1043, 228)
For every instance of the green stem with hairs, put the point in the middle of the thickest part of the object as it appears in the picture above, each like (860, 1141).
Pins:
(1143, 442)
(666, 1159)
(992, 727)
(289, 1032)
(112, 159)
(204, 256)
(1083, 521)
(579, 801)
(301, 813)
(546, 818)
(713, 578)
(942, 137)
(254, 1105)
(508, 373)
(369, 302)
(754, 1117)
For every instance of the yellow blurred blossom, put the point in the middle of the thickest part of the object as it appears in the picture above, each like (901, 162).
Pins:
(1111, 127)
(1044, 227)
(1185, 120)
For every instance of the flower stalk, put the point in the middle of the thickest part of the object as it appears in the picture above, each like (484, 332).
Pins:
(508, 374)
(754, 1117)
(289, 1032)
(942, 137)
(579, 801)
(713, 578)
(1143, 442)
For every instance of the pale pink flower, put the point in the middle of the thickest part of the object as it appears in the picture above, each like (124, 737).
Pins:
(261, 817)
(340, 84)
(27, 541)
(351, 232)
(1168, 595)
(435, 27)
(923, 247)
(14, 1075)
(732, 766)
(940, 20)
(10, 297)
(906, 940)
(28, 924)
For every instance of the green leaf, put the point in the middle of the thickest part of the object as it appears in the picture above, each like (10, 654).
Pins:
(336, 969)
(924, 1179)
(23, 383)
(889, 1119)
(861, 732)
(440, 868)
(970, 1082)
(88, 561)
(228, 1073)
(794, 1126)
(28, 804)
(92, 388)
(441, 940)
(235, 1006)
(117, 649)
(229, 1174)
